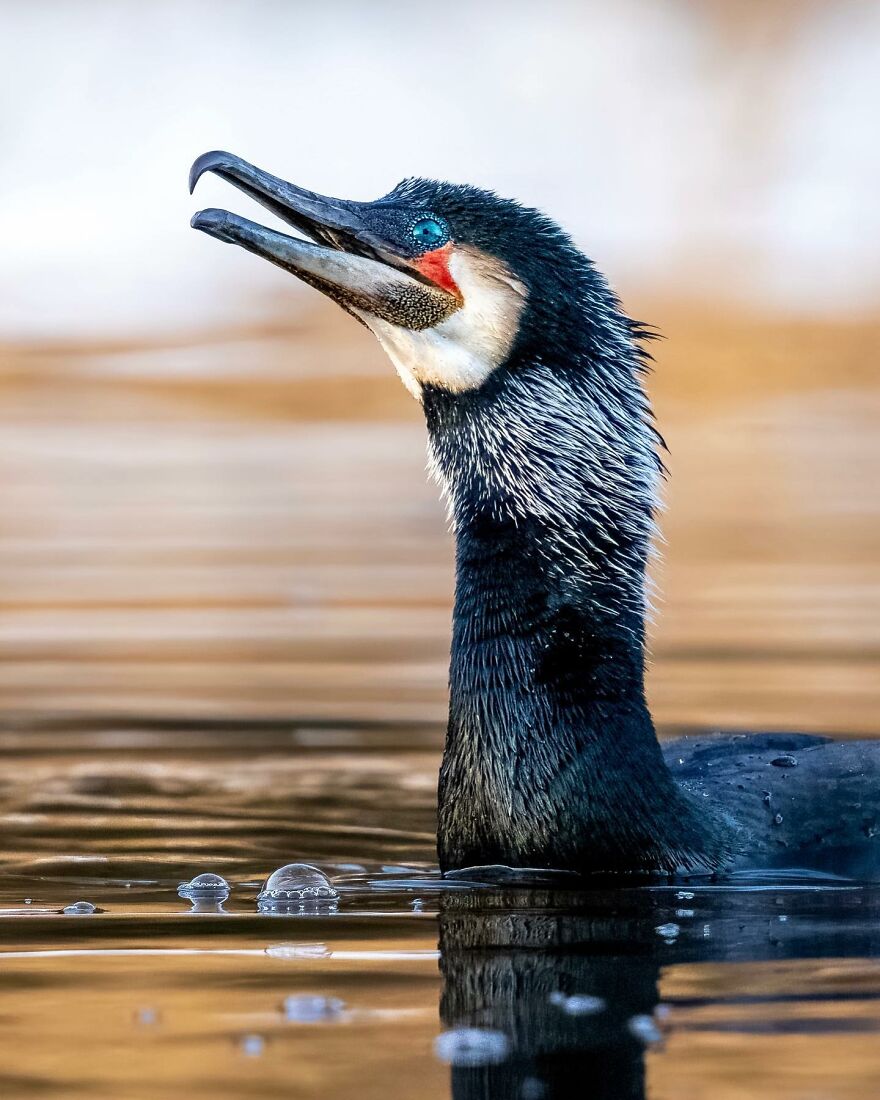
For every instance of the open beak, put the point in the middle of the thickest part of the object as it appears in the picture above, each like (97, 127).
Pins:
(345, 258)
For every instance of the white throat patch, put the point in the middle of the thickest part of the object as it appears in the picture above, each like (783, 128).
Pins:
(462, 351)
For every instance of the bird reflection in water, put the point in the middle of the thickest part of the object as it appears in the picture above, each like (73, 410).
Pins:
(559, 985)
(571, 979)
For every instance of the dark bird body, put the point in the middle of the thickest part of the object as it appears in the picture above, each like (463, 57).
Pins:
(530, 377)
(794, 800)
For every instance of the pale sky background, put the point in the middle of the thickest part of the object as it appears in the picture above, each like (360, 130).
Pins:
(708, 149)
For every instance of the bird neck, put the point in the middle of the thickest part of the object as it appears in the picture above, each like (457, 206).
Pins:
(551, 757)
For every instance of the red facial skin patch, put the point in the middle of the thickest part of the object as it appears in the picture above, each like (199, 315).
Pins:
(435, 266)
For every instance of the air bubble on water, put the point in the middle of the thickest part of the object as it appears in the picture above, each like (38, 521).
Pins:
(777, 819)
(472, 1046)
(417, 905)
(297, 887)
(297, 951)
(310, 1008)
(252, 1046)
(28, 901)
(645, 1029)
(682, 914)
(667, 931)
(79, 909)
(205, 887)
(685, 895)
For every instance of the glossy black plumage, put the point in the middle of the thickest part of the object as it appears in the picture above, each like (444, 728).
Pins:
(551, 757)
(797, 800)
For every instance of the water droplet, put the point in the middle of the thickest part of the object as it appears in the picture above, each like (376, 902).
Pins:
(297, 951)
(296, 887)
(578, 1004)
(667, 931)
(685, 895)
(28, 901)
(205, 887)
(80, 909)
(683, 914)
(146, 1017)
(645, 1029)
(785, 761)
(306, 1008)
(782, 918)
(472, 1046)
(777, 819)
(417, 905)
(252, 1046)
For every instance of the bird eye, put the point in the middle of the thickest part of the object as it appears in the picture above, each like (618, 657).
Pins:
(429, 232)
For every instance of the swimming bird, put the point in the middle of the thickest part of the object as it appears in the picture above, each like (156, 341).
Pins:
(540, 434)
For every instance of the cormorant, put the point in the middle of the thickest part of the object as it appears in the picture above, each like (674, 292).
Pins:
(540, 434)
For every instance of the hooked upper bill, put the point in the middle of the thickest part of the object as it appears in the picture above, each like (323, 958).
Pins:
(347, 258)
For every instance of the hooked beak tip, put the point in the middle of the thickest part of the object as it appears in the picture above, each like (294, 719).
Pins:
(209, 162)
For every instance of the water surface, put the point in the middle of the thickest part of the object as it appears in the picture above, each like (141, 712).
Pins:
(225, 590)
(683, 990)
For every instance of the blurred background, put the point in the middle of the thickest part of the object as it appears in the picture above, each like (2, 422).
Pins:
(213, 502)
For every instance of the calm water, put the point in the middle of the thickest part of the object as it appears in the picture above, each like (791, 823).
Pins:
(225, 597)
(691, 990)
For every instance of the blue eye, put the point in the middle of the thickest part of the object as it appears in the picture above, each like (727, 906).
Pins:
(429, 232)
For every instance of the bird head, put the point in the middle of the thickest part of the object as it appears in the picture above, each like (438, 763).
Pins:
(451, 279)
